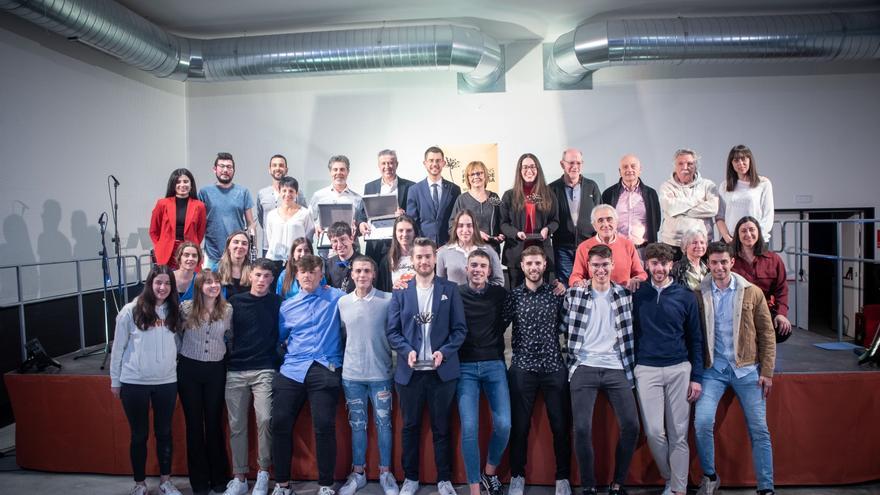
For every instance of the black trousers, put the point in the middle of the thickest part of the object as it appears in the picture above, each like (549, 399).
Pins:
(201, 386)
(585, 385)
(136, 401)
(322, 388)
(426, 386)
(524, 386)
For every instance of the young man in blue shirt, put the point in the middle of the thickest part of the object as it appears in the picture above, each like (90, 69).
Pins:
(310, 333)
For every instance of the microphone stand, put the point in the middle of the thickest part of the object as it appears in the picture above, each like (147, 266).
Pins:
(120, 274)
(105, 279)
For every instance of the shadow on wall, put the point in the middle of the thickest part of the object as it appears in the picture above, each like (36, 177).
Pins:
(52, 245)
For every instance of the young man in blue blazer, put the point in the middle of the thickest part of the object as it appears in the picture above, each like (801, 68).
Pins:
(430, 201)
(426, 326)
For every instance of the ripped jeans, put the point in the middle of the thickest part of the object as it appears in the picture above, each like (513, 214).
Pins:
(357, 393)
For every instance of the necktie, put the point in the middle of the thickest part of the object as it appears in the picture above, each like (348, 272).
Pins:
(435, 195)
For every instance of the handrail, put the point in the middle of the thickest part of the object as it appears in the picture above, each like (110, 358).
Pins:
(21, 302)
(837, 259)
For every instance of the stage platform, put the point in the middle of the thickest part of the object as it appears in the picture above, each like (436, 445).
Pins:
(822, 414)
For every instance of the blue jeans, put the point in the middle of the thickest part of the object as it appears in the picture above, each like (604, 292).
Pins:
(564, 263)
(491, 376)
(357, 393)
(752, 401)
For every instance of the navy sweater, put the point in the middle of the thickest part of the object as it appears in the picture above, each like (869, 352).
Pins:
(667, 328)
(254, 342)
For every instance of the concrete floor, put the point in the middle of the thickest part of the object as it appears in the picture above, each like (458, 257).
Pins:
(19, 481)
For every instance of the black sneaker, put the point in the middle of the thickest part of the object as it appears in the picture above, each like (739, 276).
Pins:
(617, 491)
(491, 483)
(590, 491)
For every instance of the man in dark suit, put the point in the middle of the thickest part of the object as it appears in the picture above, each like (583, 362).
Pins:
(387, 183)
(430, 201)
(426, 326)
(576, 196)
(637, 205)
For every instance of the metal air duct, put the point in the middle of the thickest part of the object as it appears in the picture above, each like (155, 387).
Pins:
(116, 30)
(772, 38)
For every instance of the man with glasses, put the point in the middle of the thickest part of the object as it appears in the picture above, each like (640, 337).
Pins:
(229, 209)
(688, 201)
(576, 196)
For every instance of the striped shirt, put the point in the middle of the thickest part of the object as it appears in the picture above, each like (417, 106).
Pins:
(207, 342)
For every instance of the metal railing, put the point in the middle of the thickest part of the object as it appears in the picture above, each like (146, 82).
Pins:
(21, 301)
(838, 259)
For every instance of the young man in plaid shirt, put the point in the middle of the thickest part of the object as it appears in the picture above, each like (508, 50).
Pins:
(598, 327)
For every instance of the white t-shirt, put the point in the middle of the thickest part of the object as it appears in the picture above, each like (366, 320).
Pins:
(598, 350)
(281, 233)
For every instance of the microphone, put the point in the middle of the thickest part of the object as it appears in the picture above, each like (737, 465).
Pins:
(115, 181)
(102, 221)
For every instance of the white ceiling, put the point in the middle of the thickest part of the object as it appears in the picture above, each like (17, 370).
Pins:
(506, 20)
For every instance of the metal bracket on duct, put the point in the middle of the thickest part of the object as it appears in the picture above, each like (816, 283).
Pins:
(123, 34)
(747, 39)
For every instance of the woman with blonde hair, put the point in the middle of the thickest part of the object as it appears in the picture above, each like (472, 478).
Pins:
(484, 205)
(201, 382)
(234, 267)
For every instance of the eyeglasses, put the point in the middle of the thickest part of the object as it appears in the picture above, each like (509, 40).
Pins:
(476, 174)
(530, 167)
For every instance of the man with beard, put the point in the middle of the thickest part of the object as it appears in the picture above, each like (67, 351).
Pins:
(669, 365)
(537, 364)
(426, 326)
(268, 197)
(229, 209)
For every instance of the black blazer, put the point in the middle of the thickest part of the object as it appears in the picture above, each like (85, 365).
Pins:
(652, 206)
(513, 221)
(570, 235)
(403, 185)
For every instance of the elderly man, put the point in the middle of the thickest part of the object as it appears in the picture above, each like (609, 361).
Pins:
(627, 270)
(688, 201)
(638, 208)
(576, 196)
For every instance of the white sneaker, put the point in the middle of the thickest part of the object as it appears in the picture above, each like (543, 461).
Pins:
(388, 483)
(445, 488)
(563, 487)
(326, 490)
(709, 487)
(517, 485)
(236, 487)
(409, 487)
(282, 490)
(168, 488)
(355, 482)
(667, 490)
(138, 490)
(261, 486)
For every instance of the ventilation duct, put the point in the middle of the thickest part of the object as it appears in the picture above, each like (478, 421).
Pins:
(747, 39)
(116, 30)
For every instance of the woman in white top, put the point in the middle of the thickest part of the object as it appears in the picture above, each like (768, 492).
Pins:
(744, 194)
(143, 372)
(201, 382)
(285, 223)
(397, 267)
(464, 238)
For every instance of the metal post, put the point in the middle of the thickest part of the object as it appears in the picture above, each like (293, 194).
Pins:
(797, 272)
(839, 262)
(22, 333)
(79, 308)
(122, 283)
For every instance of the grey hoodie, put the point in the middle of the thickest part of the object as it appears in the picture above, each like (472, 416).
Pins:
(142, 357)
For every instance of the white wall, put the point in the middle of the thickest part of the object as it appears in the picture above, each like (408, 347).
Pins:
(69, 117)
(811, 134)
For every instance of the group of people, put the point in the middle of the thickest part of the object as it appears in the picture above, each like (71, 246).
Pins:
(642, 298)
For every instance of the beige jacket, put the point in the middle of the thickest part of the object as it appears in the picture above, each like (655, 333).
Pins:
(754, 339)
(686, 207)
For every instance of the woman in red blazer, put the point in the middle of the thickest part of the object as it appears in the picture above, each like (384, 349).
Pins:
(177, 217)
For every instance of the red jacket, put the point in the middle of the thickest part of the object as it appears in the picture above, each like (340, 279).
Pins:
(162, 226)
